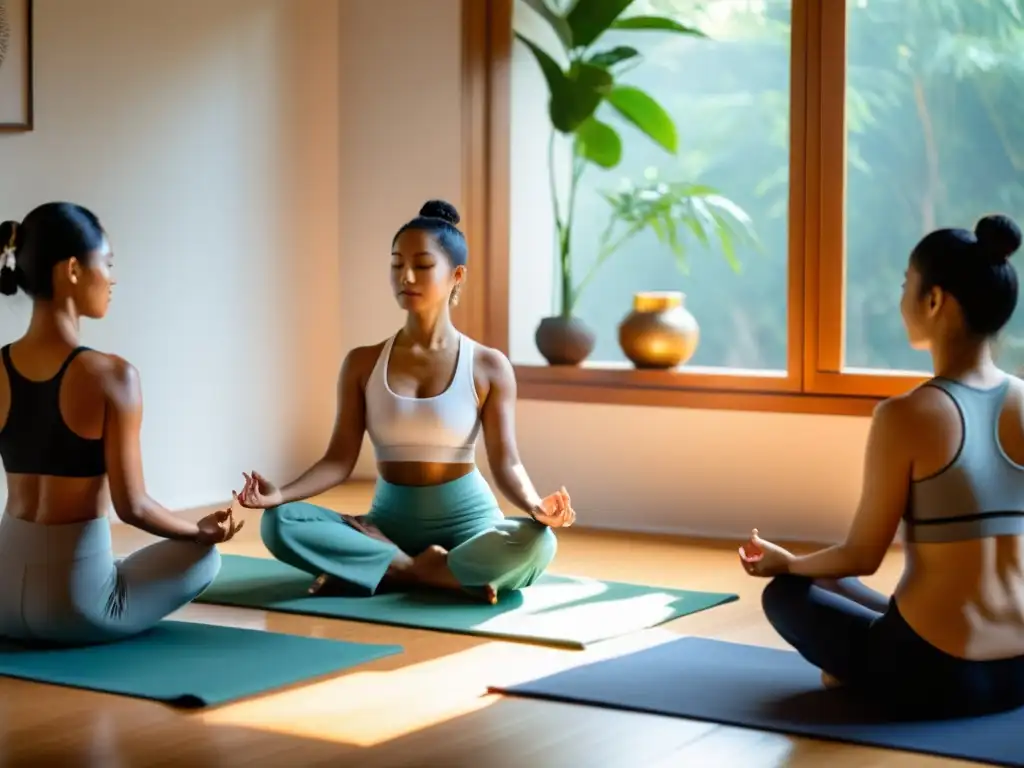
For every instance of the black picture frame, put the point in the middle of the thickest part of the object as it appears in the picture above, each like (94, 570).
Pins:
(28, 123)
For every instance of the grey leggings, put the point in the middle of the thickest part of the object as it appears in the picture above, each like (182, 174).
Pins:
(60, 583)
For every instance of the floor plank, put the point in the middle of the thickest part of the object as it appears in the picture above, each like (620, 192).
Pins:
(428, 706)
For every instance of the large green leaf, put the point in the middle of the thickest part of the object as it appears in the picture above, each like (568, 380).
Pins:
(613, 56)
(646, 114)
(588, 85)
(574, 95)
(558, 87)
(599, 143)
(557, 22)
(656, 24)
(589, 19)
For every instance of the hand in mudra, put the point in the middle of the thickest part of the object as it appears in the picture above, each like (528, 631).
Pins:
(555, 511)
(760, 557)
(258, 492)
(218, 527)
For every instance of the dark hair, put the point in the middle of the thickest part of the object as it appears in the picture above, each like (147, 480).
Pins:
(50, 234)
(974, 268)
(439, 219)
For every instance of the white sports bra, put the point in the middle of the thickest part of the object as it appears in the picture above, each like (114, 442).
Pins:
(442, 429)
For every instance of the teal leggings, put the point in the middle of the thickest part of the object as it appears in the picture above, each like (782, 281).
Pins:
(484, 547)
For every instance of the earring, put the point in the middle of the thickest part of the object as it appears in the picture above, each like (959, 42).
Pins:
(455, 295)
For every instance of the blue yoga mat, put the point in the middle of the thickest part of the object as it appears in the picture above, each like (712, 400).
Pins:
(189, 665)
(768, 690)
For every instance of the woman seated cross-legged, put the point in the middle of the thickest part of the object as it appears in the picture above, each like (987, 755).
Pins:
(70, 420)
(948, 460)
(423, 396)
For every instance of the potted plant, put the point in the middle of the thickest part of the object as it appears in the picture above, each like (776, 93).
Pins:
(589, 79)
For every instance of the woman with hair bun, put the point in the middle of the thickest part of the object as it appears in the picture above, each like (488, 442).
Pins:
(423, 395)
(70, 419)
(946, 460)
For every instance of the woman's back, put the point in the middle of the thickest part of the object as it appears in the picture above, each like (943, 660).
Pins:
(52, 412)
(70, 421)
(963, 587)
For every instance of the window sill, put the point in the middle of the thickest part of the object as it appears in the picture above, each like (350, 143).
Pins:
(692, 388)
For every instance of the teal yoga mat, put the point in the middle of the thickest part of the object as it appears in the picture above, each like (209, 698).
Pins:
(189, 665)
(565, 611)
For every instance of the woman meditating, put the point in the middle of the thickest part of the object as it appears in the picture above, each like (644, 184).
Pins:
(423, 396)
(948, 460)
(69, 425)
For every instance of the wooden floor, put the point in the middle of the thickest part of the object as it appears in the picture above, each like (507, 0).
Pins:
(428, 706)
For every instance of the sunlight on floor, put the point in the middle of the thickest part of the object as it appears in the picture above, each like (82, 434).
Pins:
(555, 616)
(720, 746)
(358, 709)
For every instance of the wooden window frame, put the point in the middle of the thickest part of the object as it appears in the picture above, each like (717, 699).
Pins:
(815, 381)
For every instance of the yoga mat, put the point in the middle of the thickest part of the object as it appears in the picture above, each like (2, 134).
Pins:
(189, 665)
(559, 610)
(768, 690)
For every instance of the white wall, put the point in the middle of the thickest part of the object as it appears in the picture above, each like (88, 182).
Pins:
(204, 135)
(706, 472)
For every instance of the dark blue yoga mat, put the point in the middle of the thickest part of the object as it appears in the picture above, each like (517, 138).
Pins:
(768, 690)
(189, 665)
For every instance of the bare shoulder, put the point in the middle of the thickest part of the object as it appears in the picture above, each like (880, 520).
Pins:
(921, 409)
(118, 378)
(910, 407)
(493, 364)
(359, 361)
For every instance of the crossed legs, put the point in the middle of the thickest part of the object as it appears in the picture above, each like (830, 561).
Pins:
(508, 554)
(827, 622)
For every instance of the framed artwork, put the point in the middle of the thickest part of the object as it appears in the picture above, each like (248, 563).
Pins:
(15, 65)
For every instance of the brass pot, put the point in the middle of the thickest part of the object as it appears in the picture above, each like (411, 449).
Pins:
(660, 332)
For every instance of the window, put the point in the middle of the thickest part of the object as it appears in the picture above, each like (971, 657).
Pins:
(817, 142)
(744, 81)
(934, 138)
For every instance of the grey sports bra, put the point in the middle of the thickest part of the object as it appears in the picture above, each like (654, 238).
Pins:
(980, 493)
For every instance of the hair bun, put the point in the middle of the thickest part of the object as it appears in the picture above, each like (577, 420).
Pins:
(439, 209)
(8, 232)
(8, 268)
(998, 235)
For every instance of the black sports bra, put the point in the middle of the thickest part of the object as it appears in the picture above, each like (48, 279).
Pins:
(35, 440)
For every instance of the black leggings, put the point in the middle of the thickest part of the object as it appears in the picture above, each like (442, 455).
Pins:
(873, 650)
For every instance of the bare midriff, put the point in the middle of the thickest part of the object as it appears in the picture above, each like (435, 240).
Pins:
(56, 500)
(418, 473)
(966, 598)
